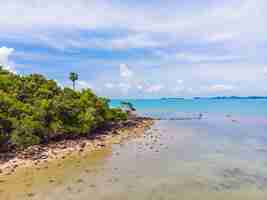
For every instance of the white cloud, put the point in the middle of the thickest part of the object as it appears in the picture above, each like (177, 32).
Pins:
(180, 81)
(219, 21)
(81, 84)
(125, 72)
(4, 58)
(125, 87)
(134, 41)
(220, 88)
(196, 58)
(109, 85)
(139, 87)
(221, 37)
(154, 88)
(196, 32)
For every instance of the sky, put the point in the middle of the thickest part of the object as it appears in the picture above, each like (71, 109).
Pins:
(140, 49)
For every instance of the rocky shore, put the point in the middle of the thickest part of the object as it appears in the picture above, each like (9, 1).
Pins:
(39, 154)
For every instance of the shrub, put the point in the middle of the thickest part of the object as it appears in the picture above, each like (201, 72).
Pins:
(35, 110)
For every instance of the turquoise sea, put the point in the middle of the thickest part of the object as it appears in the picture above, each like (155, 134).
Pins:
(222, 156)
(173, 107)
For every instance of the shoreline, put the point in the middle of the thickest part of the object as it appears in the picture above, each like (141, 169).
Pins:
(39, 154)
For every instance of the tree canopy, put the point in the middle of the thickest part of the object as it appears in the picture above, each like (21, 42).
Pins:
(73, 77)
(127, 106)
(34, 110)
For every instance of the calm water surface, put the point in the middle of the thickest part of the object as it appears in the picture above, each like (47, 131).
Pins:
(223, 156)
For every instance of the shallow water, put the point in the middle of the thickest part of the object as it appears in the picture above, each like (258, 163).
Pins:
(218, 157)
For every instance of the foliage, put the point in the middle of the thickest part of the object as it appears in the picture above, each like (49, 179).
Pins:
(127, 106)
(73, 77)
(34, 110)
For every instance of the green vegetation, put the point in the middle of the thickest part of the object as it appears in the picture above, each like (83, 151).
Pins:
(35, 110)
(127, 106)
(73, 77)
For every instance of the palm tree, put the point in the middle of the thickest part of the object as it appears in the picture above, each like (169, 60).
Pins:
(73, 77)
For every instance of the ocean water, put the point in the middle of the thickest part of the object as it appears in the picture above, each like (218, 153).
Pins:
(172, 107)
(221, 156)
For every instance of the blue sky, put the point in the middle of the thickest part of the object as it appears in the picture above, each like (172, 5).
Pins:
(140, 49)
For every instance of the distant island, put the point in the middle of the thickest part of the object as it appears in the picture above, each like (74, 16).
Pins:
(174, 98)
(232, 97)
(216, 97)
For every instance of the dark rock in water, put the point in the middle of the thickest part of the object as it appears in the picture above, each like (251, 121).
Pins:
(226, 186)
(234, 121)
(233, 172)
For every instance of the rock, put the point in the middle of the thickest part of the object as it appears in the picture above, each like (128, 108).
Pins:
(101, 145)
(92, 185)
(44, 157)
(30, 194)
(69, 188)
(83, 145)
(80, 181)
(81, 150)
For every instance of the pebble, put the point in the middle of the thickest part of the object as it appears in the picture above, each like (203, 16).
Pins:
(30, 194)
(80, 180)
(51, 181)
(92, 185)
